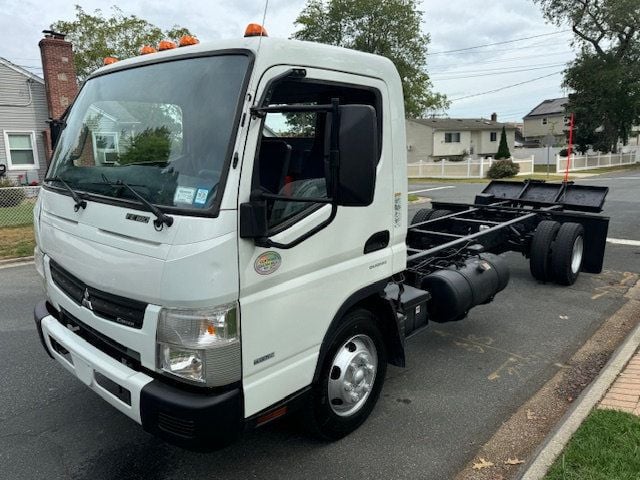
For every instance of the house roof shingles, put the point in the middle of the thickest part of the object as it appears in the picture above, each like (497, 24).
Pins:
(553, 106)
(461, 123)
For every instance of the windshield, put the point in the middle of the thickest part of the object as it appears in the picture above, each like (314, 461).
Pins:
(164, 129)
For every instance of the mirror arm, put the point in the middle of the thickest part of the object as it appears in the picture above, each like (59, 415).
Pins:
(268, 243)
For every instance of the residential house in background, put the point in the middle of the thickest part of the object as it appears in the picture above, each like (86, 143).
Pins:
(548, 118)
(28, 103)
(430, 139)
(23, 121)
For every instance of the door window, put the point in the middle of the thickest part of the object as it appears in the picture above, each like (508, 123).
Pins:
(292, 158)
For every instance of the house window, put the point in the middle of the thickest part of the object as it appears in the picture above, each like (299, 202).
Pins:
(105, 147)
(452, 137)
(544, 121)
(21, 150)
(493, 136)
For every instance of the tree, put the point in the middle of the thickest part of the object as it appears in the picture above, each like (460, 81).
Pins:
(390, 28)
(605, 76)
(503, 148)
(150, 145)
(95, 36)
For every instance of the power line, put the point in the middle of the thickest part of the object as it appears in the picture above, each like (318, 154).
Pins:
(504, 88)
(490, 72)
(502, 60)
(497, 43)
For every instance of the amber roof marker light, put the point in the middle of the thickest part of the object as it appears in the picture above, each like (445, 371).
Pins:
(147, 49)
(255, 30)
(109, 60)
(166, 45)
(187, 40)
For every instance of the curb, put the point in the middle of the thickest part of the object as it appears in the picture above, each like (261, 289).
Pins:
(15, 262)
(555, 442)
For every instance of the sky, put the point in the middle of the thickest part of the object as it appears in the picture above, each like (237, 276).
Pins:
(451, 24)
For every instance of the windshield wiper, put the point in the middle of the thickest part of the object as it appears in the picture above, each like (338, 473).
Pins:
(162, 218)
(80, 203)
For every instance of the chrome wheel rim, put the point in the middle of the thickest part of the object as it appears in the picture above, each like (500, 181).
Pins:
(352, 374)
(576, 255)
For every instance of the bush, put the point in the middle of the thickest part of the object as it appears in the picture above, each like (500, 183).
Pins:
(564, 152)
(503, 169)
(10, 197)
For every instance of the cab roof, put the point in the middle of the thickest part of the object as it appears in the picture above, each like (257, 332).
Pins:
(275, 51)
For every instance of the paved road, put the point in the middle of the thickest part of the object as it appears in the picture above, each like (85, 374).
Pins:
(462, 381)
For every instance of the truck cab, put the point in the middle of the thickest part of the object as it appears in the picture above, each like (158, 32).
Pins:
(216, 232)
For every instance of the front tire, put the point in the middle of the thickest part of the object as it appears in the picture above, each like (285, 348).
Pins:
(351, 377)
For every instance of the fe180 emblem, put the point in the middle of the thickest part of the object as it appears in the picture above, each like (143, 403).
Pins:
(267, 263)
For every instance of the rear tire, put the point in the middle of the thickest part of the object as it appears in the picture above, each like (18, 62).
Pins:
(567, 253)
(540, 253)
(351, 377)
(439, 213)
(422, 215)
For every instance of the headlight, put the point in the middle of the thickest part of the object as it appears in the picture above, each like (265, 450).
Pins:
(200, 345)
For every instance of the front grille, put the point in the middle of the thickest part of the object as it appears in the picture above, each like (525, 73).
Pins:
(115, 350)
(106, 305)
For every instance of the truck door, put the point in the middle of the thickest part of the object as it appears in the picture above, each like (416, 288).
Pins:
(288, 297)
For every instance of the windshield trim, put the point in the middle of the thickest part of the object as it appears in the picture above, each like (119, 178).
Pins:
(214, 210)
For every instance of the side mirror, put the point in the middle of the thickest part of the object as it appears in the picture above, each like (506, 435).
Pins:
(253, 217)
(56, 127)
(359, 150)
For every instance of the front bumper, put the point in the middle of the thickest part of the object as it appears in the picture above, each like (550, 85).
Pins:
(190, 419)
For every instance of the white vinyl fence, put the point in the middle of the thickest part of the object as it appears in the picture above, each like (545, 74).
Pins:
(16, 205)
(596, 160)
(469, 168)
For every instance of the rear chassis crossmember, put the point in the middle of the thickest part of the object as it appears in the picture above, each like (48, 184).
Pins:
(503, 218)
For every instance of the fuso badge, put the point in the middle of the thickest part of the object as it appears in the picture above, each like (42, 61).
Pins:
(267, 263)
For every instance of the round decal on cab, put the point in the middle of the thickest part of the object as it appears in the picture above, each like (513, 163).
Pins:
(267, 263)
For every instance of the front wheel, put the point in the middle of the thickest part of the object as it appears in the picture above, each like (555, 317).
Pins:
(351, 377)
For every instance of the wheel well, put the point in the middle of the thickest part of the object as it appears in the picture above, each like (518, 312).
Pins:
(372, 299)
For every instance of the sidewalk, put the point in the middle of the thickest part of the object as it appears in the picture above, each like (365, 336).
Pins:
(624, 394)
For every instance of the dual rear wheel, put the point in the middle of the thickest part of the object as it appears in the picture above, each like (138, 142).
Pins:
(557, 251)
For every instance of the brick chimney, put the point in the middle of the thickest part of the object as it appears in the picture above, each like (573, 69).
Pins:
(61, 83)
(494, 117)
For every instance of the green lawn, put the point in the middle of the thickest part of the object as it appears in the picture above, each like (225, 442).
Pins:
(16, 241)
(19, 215)
(605, 447)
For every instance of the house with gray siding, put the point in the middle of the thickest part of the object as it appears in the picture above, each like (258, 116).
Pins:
(547, 118)
(431, 139)
(23, 121)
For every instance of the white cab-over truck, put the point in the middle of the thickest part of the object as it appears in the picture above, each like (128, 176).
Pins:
(223, 238)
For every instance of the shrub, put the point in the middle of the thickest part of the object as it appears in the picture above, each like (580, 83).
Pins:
(10, 197)
(564, 152)
(503, 169)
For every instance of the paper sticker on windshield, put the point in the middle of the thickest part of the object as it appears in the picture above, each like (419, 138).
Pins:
(184, 195)
(201, 196)
(267, 263)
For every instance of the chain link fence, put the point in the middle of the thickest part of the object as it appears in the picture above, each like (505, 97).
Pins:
(16, 205)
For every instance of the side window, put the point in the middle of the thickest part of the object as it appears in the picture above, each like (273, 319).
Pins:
(292, 157)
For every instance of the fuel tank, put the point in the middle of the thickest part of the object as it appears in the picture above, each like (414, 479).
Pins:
(458, 288)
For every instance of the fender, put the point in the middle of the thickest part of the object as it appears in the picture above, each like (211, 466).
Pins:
(373, 298)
